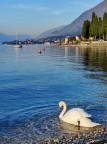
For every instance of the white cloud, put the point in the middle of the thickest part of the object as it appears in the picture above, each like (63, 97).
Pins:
(21, 6)
(41, 8)
(59, 12)
(56, 12)
(25, 6)
(82, 4)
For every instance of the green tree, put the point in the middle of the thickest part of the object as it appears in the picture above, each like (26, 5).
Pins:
(105, 26)
(94, 26)
(97, 27)
(93, 15)
(63, 40)
(71, 39)
(91, 31)
(85, 29)
(100, 27)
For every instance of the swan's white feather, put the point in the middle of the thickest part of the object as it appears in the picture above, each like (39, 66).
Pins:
(81, 112)
(76, 114)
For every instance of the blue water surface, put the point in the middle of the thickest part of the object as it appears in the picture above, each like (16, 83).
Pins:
(32, 84)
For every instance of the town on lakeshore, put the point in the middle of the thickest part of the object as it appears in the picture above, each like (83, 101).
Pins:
(94, 33)
(53, 85)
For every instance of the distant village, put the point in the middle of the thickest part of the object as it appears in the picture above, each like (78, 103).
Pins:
(57, 40)
(94, 32)
(48, 40)
(61, 41)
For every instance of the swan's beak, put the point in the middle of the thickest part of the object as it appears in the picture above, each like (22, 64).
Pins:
(58, 107)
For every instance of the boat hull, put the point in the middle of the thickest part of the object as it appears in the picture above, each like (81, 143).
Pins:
(17, 46)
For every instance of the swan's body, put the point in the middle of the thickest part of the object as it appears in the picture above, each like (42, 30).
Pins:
(76, 115)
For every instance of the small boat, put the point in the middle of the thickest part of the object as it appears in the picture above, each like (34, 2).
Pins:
(17, 45)
(40, 51)
(47, 43)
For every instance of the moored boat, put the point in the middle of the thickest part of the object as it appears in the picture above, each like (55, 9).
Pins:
(17, 45)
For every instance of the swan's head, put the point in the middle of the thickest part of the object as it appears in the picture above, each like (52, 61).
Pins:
(61, 103)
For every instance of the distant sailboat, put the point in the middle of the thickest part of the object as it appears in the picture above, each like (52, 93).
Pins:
(17, 45)
(47, 43)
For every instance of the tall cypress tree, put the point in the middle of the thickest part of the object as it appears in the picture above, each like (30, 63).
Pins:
(93, 15)
(92, 24)
(95, 26)
(105, 26)
(91, 29)
(100, 27)
(85, 29)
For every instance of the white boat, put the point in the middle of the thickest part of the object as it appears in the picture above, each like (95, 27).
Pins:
(47, 43)
(17, 45)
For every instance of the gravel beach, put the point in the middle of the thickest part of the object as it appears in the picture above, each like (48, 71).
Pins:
(95, 136)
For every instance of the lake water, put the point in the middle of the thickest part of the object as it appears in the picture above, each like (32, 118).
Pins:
(32, 84)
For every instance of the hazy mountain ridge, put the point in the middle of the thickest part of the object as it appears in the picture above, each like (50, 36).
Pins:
(50, 32)
(4, 37)
(71, 29)
(76, 26)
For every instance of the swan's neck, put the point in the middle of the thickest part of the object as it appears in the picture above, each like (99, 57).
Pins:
(63, 111)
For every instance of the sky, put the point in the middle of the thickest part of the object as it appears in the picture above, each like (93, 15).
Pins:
(33, 17)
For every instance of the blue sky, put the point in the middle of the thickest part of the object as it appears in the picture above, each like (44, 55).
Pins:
(36, 16)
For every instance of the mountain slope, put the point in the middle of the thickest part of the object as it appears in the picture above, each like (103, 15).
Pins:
(50, 32)
(76, 26)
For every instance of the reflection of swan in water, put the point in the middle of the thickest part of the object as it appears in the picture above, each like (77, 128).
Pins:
(68, 128)
(76, 116)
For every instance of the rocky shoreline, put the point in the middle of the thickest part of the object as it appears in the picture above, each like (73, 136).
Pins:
(95, 136)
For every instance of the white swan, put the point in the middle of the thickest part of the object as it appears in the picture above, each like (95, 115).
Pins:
(76, 116)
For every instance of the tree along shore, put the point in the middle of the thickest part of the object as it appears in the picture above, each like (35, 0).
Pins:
(96, 28)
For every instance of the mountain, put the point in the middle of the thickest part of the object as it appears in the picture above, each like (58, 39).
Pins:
(50, 32)
(75, 27)
(4, 37)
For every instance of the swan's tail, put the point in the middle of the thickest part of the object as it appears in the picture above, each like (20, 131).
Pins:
(95, 124)
(87, 122)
